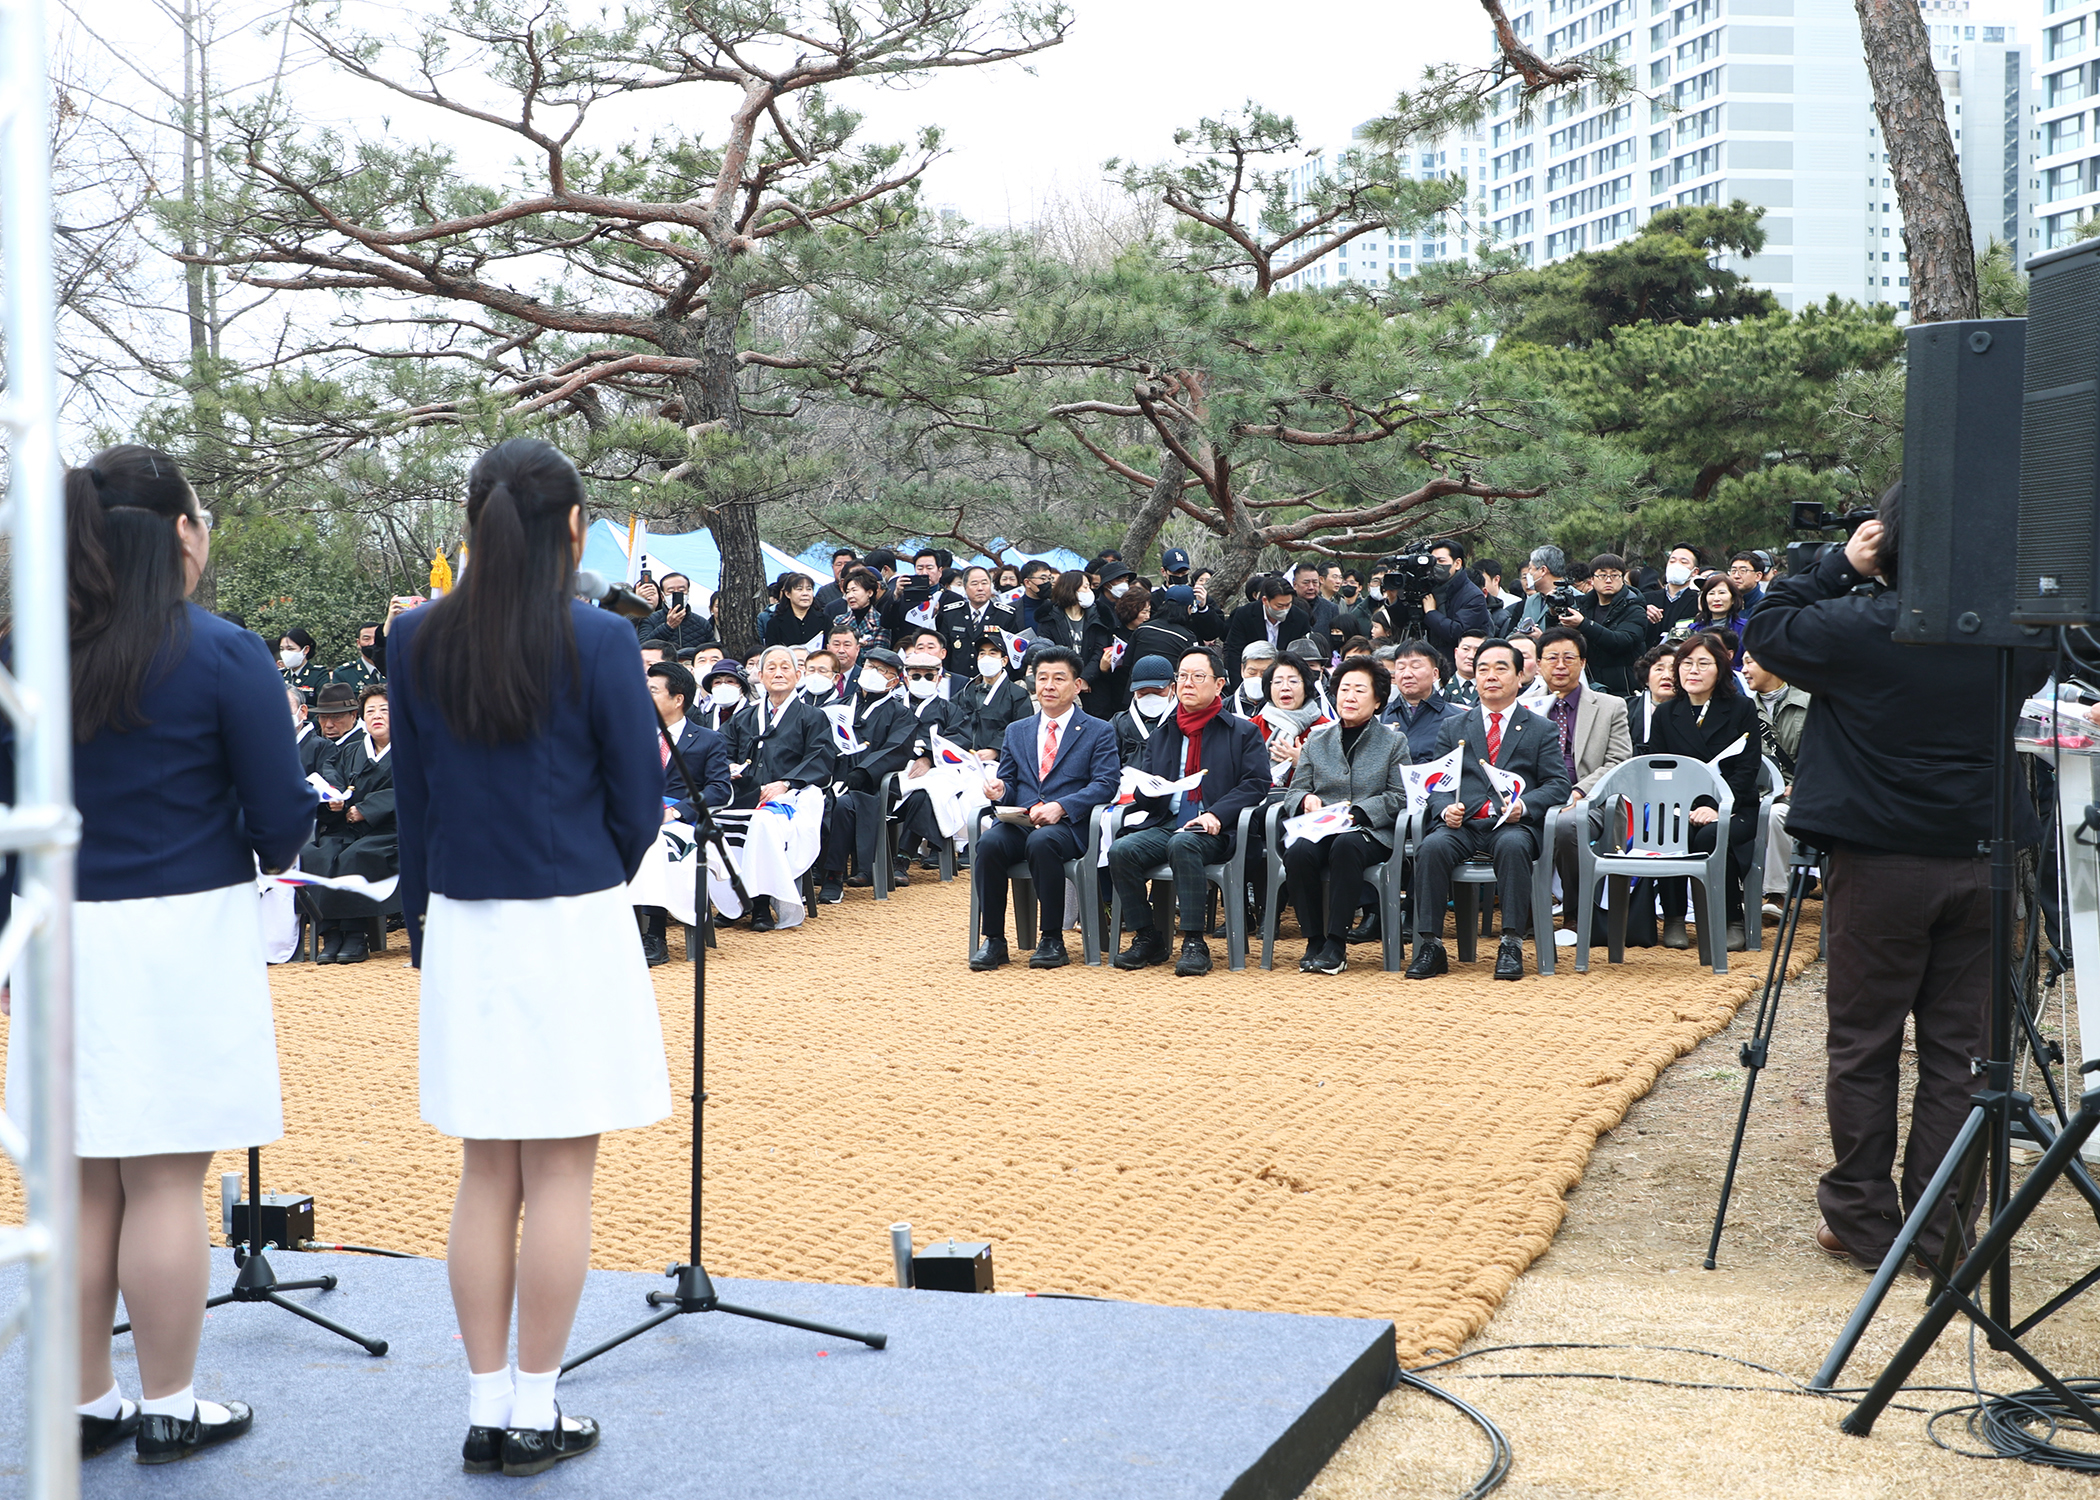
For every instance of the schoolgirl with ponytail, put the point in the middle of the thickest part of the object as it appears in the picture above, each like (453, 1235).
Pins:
(186, 777)
(529, 787)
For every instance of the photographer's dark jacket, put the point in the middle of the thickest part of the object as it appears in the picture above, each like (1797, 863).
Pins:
(690, 633)
(1896, 752)
(1460, 607)
(1616, 636)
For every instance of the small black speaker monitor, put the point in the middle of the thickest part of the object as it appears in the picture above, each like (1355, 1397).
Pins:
(1961, 484)
(2056, 580)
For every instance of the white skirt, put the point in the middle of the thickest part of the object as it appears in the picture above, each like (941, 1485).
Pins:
(538, 1019)
(174, 1046)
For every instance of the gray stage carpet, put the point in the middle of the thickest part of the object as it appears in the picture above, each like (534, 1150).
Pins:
(981, 1396)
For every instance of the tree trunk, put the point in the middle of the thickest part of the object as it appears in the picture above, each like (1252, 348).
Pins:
(192, 273)
(1235, 566)
(1143, 527)
(712, 396)
(1921, 160)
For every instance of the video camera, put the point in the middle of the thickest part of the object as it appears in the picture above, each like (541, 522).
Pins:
(1406, 579)
(1810, 515)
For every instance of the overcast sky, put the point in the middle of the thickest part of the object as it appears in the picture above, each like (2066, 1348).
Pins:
(1127, 76)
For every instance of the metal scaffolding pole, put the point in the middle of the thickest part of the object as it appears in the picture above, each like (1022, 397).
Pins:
(42, 825)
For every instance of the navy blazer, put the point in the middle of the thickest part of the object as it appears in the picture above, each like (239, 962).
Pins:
(1235, 758)
(707, 757)
(568, 810)
(1086, 774)
(1530, 748)
(209, 785)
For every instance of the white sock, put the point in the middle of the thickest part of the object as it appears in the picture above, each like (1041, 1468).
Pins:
(108, 1406)
(183, 1404)
(532, 1409)
(489, 1398)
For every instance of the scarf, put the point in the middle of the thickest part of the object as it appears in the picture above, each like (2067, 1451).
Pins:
(1294, 722)
(1191, 726)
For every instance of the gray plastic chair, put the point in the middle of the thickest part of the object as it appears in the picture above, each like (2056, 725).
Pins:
(889, 797)
(1021, 890)
(1388, 878)
(1230, 879)
(1659, 791)
(1769, 781)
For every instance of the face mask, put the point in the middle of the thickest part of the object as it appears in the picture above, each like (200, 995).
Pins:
(725, 695)
(1441, 572)
(1118, 589)
(1086, 598)
(819, 684)
(1151, 705)
(921, 688)
(1253, 689)
(1276, 615)
(989, 667)
(1677, 575)
(292, 657)
(872, 681)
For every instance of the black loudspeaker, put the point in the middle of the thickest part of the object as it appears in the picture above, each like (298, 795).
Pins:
(2056, 579)
(1961, 484)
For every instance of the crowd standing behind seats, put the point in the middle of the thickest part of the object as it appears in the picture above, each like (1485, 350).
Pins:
(872, 684)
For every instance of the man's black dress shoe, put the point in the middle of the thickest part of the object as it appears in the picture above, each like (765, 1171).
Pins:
(1146, 948)
(355, 949)
(900, 875)
(482, 1452)
(1049, 953)
(1429, 960)
(98, 1434)
(1369, 930)
(165, 1440)
(1509, 959)
(830, 893)
(526, 1451)
(655, 951)
(1195, 956)
(861, 881)
(331, 945)
(1330, 956)
(990, 954)
(762, 914)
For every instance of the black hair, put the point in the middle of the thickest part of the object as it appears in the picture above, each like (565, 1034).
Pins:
(1050, 656)
(1564, 633)
(1889, 511)
(1064, 594)
(1748, 557)
(1488, 567)
(1452, 545)
(124, 581)
(879, 559)
(932, 552)
(1033, 566)
(300, 637)
(1305, 567)
(1307, 677)
(867, 578)
(1381, 679)
(1208, 653)
(839, 552)
(662, 643)
(678, 681)
(1713, 645)
(1414, 645)
(1275, 586)
(1510, 646)
(491, 649)
(976, 568)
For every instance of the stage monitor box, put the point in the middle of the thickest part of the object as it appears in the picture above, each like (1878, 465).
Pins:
(287, 1220)
(1961, 484)
(2056, 580)
(953, 1266)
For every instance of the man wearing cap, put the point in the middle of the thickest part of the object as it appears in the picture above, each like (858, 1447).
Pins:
(884, 723)
(1188, 829)
(724, 690)
(1274, 615)
(926, 683)
(1151, 699)
(1182, 603)
(962, 622)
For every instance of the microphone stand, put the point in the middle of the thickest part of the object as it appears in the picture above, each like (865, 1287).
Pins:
(695, 1292)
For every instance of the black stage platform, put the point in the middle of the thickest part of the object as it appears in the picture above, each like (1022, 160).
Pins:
(981, 1396)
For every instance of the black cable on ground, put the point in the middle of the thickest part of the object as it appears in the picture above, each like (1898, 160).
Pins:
(1499, 1454)
(316, 1245)
(2008, 1424)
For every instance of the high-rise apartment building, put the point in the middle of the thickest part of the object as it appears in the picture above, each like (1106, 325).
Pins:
(2066, 178)
(1370, 258)
(1766, 101)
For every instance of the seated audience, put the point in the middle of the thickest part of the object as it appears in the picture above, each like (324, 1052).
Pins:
(1246, 699)
(991, 700)
(364, 841)
(1419, 707)
(1706, 717)
(725, 689)
(1782, 710)
(1151, 699)
(706, 755)
(1290, 711)
(1593, 738)
(779, 746)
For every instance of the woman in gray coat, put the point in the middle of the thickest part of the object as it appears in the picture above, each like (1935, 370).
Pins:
(1359, 761)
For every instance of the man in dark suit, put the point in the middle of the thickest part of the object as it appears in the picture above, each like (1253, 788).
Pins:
(1455, 605)
(706, 755)
(1275, 616)
(1500, 733)
(1058, 765)
(1419, 710)
(366, 843)
(1190, 829)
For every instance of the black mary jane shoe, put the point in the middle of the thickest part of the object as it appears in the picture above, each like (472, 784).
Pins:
(482, 1452)
(99, 1434)
(529, 1451)
(167, 1440)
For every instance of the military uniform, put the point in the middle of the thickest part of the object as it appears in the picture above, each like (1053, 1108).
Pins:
(309, 680)
(358, 673)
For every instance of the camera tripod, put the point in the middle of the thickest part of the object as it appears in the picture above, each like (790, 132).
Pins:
(258, 1283)
(694, 1292)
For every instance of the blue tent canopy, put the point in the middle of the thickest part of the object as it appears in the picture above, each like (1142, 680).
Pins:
(692, 553)
(1064, 559)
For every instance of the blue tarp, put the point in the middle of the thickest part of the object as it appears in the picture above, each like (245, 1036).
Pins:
(692, 553)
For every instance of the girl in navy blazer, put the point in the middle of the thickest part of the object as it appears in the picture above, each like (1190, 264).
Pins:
(529, 787)
(185, 775)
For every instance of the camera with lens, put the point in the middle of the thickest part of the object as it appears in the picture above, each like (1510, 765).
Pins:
(1406, 579)
(1562, 602)
(1812, 515)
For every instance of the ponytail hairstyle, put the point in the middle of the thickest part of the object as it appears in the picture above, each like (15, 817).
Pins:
(124, 581)
(489, 651)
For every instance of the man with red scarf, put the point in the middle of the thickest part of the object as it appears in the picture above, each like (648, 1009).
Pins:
(1189, 829)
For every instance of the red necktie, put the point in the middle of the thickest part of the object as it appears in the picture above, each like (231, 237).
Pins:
(663, 751)
(1049, 750)
(1494, 736)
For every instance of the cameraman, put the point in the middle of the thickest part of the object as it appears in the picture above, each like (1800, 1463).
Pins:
(1548, 566)
(1614, 626)
(1454, 605)
(1901, 801)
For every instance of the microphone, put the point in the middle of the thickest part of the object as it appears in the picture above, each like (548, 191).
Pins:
(617, 597)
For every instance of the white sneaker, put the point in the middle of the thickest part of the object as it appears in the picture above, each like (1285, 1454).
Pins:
(1773, 913)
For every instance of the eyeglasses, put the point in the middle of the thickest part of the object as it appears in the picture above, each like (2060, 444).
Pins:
(924, 676)
(1608, 575)
(1196, 677)
(202, 518)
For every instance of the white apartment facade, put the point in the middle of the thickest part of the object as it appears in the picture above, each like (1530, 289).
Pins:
(2066, 177)
(1370, 259)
